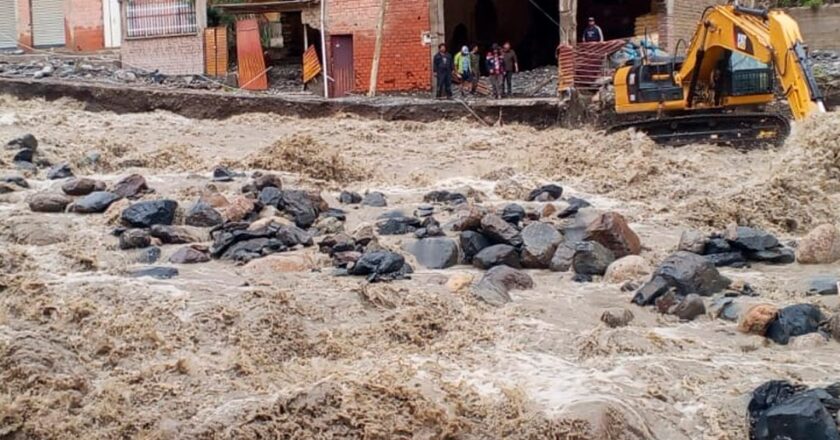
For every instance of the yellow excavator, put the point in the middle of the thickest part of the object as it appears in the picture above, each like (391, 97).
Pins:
(729, 70)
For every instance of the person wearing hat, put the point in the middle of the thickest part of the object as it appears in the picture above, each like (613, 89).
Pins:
(592, 32)
(464, 70)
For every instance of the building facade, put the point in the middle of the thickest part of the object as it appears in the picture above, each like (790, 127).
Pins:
(75, 25)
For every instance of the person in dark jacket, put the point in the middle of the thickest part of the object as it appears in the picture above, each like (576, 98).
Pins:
(443, 72)
(511, 66)
(496, 68)
(592, 32)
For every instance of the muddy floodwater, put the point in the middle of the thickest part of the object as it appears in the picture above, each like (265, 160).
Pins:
(282, 348)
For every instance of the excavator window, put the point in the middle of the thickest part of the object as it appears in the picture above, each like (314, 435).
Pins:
(749, 76)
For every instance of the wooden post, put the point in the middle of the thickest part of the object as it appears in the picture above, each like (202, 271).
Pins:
(377, 51)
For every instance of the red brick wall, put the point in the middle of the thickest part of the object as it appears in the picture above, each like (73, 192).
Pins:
(24, 24)
(406, 61)
(83, 26)
(172, 56)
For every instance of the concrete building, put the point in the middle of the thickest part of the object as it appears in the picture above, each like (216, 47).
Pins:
(76, 25)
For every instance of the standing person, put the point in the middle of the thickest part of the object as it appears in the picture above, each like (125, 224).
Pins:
(511, 67)
(496, 67)
(443, 72)
(475, 59)
(592, 32)
(463, 67)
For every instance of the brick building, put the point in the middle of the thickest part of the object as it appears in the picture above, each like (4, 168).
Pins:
(77, 25)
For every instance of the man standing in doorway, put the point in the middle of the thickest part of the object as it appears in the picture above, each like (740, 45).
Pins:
(475, 59)
(443, 72)
(496, 68)
(592, 32)
(511, 67)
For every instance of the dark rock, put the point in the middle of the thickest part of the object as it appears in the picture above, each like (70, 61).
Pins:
(202, 214)
(468, 218)
(189, 255)
(562, 259)
(591, 258)
(337, 243)
(424, 211)
(498, 254)
(147, 213)
(344, 259)
(444, 197)
(629, 286)
(687, 273)
(234, 241)
(6, 188)
(779, 410)
(223, 174)
(795, 320)
(270, 196)
(24, 156)
(575, 205)
(25, 142)
(582, 278)
(375, 199)
(513, 213)
(499, 231)
(429, 227)
(131, 186)
(822, 285)
(148, 255)
(15, 180)
(292, 236)
(472, 243)
(692, 240)
(244, 251)
(349, 198)
(689, 308)
(397, 225)
(750, 239)
(48, 202)
(336, 213)
(776, 255)
(611, 230)
(300, 206)
(268, 180)
(60, 171)
(553, 193)
(94, 203)
(159, 272)
(168, 234)
(725, 308)
(539, 243)
(436, 252)
(495, 285)
(734, 259)
(135, 239)
(82, 186)
(666, 302)
(381, 266)
(716, 246)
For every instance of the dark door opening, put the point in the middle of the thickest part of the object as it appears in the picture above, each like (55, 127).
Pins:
(617, 18)
(341, 54)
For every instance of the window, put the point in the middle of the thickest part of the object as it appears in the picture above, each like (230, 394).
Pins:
(157, 18)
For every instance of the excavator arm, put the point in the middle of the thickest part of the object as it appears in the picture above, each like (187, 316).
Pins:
(771, 37)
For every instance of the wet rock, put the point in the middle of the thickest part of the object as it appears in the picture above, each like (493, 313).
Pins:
(211, 196)
(499, 254)
(667, 302)
(25, 156)
(472, 243)
(513, 213)
(190, 255)
(94, 203)
(15, 180)
(758, 318)
(582, 278)
(48, 202)
(629, 268)
(730, 259)
(148, 255)
(689, 308)
(692, 240)
(687, 273)
(145, 214)
(25, 166)
(539, 243)
(795, 320)
(611, 230)
(159, 272)
(776, 255)
(459, 282)
(436, 252)
(25, 142)
(234, 241)
(561, 261)
(168, 234)
(822, 285)
(82, 186)
(329, 225)
(135, 239)
(268, 180)
(779, 410)
(499, 231)
(203, 215)
(240, 208)
(444, 197)
(335, 213)
(244, 251)
(725, 308)
(575, 205)
(364, 234)
(546, 193)
(716, 245)
(349, 198)
(335, 243)
(750, 239)
(223, 174)
(615, 318)
(809, 341)
(131, 186)
(375, 199)
(429, 227)
(301, 206)
(591, 258)
(820, 246)
(60, 171)
(270, 196)
(424, 211)
(381, 266)
(468, 218)
(495, 286)
(398, 225)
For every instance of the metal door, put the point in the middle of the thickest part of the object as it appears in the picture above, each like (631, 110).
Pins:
(8, 32)
(113, 23)
(342, 65)
(47, 23)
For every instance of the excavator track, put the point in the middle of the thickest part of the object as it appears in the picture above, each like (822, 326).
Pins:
(744, 130)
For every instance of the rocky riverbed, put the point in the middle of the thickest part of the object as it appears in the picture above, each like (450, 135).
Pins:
(269, 276)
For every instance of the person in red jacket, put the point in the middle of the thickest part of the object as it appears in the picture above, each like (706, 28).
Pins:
(496, 68)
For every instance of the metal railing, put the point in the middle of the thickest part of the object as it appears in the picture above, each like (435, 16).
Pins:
(159, 18)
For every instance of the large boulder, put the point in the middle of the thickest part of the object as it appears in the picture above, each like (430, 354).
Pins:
(203, 215)
(692, 240)
(168, 234)
(575, 205)
(611, 230)
(562, 259)
(775, 255)
(60, 171)
(301, 206)
(513, 213)
(591, 258)
(539, 242)
(397, 225)
(135, 239)
(82, 186)
(145, 214)
(94, 203)
(468, 218)
(190, 255)
(750, 239)
(629, 268)
(546, 193)
(822, 285)
(499, 231)
(436, 252)
(820, 246)
(495, 286)
(375, 199)
(758, 318)
(687, 273)
(780, 410)
(24, 142)
(239, 209)
(498, 254)
(131, 186)
(349, 198)
(795, 320)
(268, 180)
(689, 308)
(381, 266)
(472, 243)
(270, 196)
(48, 202)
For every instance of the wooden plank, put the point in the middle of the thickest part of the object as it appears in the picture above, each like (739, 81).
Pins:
(250, 55)
(311, 64)
(210, 52)
(377, 50)
(222, 59)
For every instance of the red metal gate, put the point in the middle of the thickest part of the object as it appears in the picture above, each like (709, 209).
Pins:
(249, 55)
(344, 79)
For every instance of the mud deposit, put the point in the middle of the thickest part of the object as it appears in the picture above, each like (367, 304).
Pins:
(281, 348)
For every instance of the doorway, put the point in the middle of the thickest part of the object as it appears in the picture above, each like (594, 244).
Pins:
(341, 54)
(617, 18)
(113, 24)
(47, 23)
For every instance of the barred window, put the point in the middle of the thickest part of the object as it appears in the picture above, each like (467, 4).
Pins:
(158, 18)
